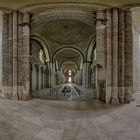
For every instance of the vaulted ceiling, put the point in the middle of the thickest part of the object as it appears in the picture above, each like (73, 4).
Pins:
(13, 4)
(63, 23)
(64, 31)
(68, 57)
(69, 65)
(69, 28)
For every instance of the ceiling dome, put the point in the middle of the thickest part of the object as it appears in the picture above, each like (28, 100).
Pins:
(65, 31)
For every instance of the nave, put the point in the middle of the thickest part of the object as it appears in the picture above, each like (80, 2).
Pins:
(69, 92)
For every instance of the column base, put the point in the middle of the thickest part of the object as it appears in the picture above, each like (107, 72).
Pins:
(15, 97)
(132, 99)
(108, 100)
(26, 97)
(115, 101)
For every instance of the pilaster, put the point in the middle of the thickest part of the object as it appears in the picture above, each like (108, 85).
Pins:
(115, 47)
(108, 56)
(24, 57)
(128, 69)
(100, 50)
(15, 55)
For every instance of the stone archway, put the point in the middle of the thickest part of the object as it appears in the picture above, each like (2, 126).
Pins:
(39, 58)
(68, 58)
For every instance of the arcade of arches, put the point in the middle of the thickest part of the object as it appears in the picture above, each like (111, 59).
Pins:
(41, 49)
(78, 65)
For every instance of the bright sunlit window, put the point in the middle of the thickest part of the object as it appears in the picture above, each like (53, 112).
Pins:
(94, 54)
(70, 79)
(41, 56)
(69, 72)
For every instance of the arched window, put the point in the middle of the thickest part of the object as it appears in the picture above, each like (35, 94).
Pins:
(69, 79)
(41, 56)
(94, 54)
(69, 72)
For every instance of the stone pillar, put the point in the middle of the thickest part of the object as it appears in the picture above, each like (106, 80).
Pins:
(115, 47)
(57, 76)
(39, 77)
(34, 78)
(94, 75)
(88, 74)
(48, 74)
(1, 28)
(52, 74)
(15, 55)
(6, 55)
(43, 79)
(128, 69)
(121, 54)
(83, 75)
(108, 56)
(23, 60)
(100, 50)
(79, 77)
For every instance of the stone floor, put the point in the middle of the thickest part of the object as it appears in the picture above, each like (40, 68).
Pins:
(77, 93)
(40, 119)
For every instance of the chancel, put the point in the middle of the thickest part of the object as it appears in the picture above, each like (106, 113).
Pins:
(69, 70)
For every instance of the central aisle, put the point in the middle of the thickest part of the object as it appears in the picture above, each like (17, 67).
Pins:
(68, 92)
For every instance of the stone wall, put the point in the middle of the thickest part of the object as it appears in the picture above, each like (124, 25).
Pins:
(136, 49)
(1, 93)
(114, 55)
(14, 53)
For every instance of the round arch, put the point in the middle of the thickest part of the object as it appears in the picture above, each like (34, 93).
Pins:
(70, 61)
(69, 67)
(43, 44)
(90, 49)
(67, 48)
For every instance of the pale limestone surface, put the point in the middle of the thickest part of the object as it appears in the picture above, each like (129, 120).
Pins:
(68, 120)
(56, 93)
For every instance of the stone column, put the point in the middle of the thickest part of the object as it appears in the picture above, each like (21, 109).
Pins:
(128, 69)
(52, 74)
(115, 44)
(121, 54)
(48, 74)
(79, 77)
(83, 75)
(57, 76)
(15, 55)
(33, 78)
(7, 55)
(43, 79)
(88, 74)
(40, 75)
(100, 50)
(108, 56)
(23, 60)
(1, 27)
